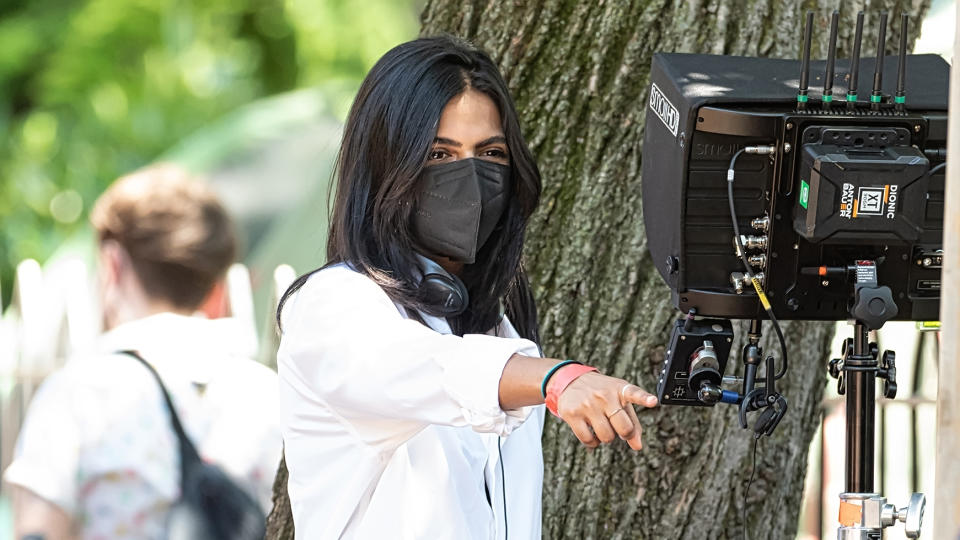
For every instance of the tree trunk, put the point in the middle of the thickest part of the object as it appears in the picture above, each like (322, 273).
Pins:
(578, 71)
(280, 520)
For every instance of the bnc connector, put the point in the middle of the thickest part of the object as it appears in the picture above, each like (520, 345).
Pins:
(750, 243)
(758, 261)
(761, 223)
(738, 279)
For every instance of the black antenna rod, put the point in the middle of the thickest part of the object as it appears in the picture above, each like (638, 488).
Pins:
(855, 65)
(877, 96)
(831, 60)
(805, 63)
(900, 98)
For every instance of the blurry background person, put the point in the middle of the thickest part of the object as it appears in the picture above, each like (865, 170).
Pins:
(97, 457)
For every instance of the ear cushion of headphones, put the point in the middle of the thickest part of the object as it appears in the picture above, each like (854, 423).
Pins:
(763, 421)
(443, 291)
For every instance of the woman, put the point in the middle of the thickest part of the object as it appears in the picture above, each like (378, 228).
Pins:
(410, 375)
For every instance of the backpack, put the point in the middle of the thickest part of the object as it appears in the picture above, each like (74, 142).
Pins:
(211, 505)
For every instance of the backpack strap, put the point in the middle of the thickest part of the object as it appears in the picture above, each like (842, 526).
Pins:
(188, 452)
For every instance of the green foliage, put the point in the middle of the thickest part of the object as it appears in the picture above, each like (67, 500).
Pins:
(92, 89)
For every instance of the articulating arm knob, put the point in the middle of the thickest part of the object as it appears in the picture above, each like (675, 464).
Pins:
(888, 372)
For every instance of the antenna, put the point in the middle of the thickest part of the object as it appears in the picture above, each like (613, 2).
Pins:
(805, 63)
(901, 97)
(831, 59)
(855, 65)
(877, 94)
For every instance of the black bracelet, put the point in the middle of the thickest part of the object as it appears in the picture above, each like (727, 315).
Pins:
(546, 378)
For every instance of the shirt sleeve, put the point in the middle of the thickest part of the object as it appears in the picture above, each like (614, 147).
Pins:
(348, 344)
(46, 456)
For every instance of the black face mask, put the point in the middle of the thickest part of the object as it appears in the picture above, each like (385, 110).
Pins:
(459, 205)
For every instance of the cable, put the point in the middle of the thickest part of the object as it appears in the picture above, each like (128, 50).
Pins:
(936, 169)
(746, 492)
(503, 490)
(503, 475)
(743, 254)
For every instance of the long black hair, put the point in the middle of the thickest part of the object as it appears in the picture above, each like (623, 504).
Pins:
(386, 142)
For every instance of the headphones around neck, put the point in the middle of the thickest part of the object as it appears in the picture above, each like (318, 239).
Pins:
(444, 292)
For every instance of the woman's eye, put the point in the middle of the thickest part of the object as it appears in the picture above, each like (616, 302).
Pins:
(495, 153)
(437, 155)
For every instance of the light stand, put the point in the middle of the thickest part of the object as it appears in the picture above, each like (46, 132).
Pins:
(864, 513)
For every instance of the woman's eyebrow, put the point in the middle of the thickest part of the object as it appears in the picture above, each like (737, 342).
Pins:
(492, 140)
(442, 140)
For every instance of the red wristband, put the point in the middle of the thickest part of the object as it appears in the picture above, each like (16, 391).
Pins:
(559, 382)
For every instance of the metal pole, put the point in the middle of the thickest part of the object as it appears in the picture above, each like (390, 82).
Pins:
(860, 403)
(947, 483)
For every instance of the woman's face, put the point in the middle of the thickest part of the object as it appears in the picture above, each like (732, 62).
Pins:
(469, 127)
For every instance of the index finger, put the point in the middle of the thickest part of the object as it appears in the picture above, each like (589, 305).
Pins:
(632, 393)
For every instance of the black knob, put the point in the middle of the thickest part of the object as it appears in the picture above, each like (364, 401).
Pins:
(889, 359)
(889, 389)
(846, 348)
(874, 306)
(888, 371)
(834, 368)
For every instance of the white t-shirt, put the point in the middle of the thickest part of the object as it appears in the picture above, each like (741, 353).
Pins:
(97, 439)
(391, 429)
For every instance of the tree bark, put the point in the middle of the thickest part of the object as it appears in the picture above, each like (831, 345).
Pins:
(578, 71)
(280, 520)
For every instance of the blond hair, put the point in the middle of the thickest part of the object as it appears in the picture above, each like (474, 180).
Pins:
(179, 236)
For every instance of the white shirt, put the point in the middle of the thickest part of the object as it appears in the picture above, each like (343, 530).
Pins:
(391, 428)
(97, 440)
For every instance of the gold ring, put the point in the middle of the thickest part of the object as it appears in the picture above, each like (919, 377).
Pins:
(609, 415)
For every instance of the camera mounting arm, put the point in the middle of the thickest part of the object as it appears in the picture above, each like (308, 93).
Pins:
(693, 372)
